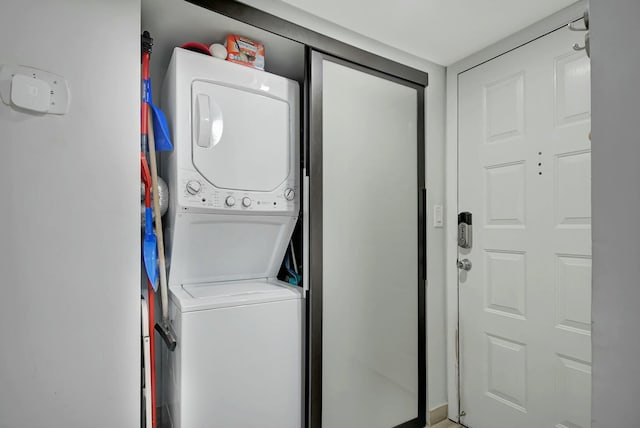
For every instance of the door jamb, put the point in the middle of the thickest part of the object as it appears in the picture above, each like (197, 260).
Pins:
(559, 19)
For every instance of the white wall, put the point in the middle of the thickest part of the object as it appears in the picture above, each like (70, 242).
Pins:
(436, 290)
(435, 106)
(69, 232)
(615, 63)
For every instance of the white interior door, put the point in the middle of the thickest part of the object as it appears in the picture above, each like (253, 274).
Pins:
(524, 174)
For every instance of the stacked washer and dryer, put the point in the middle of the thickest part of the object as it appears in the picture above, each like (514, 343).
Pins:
(234, 183)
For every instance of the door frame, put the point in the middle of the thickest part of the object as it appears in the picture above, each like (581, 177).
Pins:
(552, 23)
(314, 165)
(377, 65)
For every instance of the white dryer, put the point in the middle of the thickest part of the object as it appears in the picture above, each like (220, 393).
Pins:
(234, 184)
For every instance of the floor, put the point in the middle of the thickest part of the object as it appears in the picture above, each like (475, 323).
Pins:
(163, 421)
(446, 424)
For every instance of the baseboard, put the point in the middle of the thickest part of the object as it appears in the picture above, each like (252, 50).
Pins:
(438, 414)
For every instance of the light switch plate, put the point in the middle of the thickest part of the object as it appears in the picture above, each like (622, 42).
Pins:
(438, 216)
(30, 80)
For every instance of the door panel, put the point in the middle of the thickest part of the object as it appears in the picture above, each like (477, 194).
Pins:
(524, 173)
(230, 153)
(366, 293)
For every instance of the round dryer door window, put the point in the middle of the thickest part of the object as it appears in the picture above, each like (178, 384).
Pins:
(240, 140)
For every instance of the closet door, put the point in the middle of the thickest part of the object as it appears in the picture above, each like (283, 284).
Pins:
(366, 165)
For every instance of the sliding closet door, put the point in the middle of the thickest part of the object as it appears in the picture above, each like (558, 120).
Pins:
(366, 150)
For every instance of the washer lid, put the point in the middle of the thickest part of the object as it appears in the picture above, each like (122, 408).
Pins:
(197, 297)
(241, 139)
(212, 248)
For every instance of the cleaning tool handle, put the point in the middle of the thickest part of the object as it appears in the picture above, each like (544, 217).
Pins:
(146, 179)
(148, 221)
(146, 45)
(166, 335)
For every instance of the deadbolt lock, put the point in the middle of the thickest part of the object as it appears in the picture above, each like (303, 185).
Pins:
(465, 230)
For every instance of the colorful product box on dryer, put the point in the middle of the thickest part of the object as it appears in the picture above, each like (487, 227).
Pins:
(245, 51)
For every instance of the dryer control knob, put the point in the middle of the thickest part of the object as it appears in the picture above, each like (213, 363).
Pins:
(194, 187)
(246, 202)
(230, 201)
(289, 194)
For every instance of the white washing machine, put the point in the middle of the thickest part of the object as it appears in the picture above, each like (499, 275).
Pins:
(234, 185)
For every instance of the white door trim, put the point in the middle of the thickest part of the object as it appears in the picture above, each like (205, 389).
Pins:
(539, 29)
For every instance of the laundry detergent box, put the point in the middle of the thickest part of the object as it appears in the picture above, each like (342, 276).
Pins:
(245, 51)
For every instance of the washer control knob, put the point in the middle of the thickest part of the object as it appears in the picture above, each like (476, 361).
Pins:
(246, 202)
(194, 187)
(230, 201)
(289, 194)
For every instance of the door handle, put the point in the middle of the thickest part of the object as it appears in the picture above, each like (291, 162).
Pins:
(465, 264)
(202, 122)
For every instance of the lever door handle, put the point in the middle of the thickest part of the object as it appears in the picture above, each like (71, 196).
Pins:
(465, 264)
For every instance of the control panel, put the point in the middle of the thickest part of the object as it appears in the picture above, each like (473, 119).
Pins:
(197, 193)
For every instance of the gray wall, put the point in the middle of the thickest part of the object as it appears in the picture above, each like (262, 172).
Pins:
(69, 220)
(615, 98)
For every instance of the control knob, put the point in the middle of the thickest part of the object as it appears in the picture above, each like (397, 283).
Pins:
(246, 202)
(289, 194)
(194, 187)
(230, 201)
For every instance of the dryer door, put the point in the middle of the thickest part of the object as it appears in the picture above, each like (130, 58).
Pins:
(241, 140)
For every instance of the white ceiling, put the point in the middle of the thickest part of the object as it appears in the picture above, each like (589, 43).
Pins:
(442, 31)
